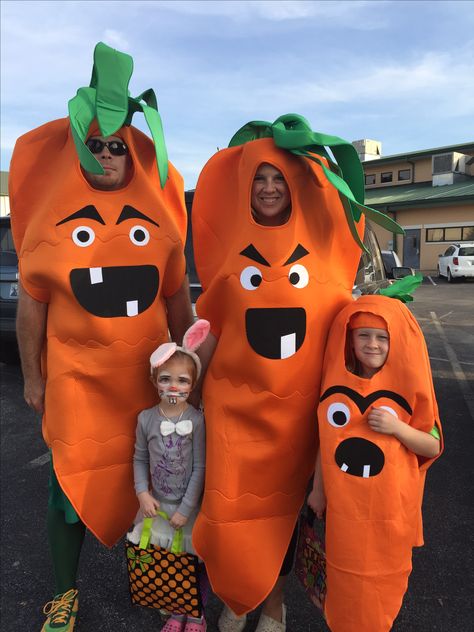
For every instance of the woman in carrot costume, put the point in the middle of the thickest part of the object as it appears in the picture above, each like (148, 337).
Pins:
(379, 431)
(273, 281)
(99, 223)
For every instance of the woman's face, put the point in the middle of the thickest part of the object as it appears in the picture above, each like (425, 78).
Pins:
(270, 196)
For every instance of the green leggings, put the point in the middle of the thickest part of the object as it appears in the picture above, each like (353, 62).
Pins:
(65, 541)
(65, 534)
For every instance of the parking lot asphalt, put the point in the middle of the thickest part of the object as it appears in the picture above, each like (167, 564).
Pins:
(440, 596)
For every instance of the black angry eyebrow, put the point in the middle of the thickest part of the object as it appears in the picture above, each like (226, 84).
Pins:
(298, 253)
(362, 402)
(128, 212)
(252, 253)
(86, 212)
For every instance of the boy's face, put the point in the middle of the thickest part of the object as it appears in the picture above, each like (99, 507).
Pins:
(270, 196)
(174, 380)
(370, 348)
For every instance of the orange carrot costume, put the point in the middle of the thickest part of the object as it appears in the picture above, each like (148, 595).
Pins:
(270, 294)
(104, 261)
(374, 485)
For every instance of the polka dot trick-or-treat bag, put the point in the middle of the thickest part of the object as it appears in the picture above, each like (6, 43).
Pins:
(167, 580)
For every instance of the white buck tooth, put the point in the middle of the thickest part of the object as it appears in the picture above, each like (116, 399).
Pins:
(344, 467)
(132, 308)
(95, 275)
(287, 346)
(366, 472)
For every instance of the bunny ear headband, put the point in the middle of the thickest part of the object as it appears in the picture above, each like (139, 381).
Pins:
(193, 338)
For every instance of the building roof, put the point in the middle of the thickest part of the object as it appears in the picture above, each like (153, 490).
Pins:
(420, 194)
(3, 182)
(464, 148)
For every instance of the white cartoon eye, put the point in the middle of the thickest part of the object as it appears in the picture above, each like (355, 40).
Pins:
(298, 276)
(139, 235)
(250, 278)
(83, 236)
(338, 415)
(389, 410)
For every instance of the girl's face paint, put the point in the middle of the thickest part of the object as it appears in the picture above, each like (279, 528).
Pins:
(175, 381)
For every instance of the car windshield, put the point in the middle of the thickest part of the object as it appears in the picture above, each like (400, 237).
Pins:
(466, 252)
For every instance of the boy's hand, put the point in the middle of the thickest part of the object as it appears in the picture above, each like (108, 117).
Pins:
(177, 520)
(317, 502)
(382, 421)
(148, 504)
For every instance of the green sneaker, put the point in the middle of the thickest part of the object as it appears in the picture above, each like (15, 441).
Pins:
(61, 612)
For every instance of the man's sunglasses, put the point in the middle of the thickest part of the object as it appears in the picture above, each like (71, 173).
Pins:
(115, 147)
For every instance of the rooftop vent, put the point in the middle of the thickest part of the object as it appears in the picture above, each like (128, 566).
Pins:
(448, 168)
(368, 149)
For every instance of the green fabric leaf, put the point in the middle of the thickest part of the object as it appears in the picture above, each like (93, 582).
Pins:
(293, 133)
(107, 99)
(112, 74)
(402, 288)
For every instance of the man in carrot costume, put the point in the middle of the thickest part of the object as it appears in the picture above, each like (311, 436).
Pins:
(99, 223)
(272, 284)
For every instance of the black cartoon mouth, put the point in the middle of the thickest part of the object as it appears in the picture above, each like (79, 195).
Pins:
(115, 291)
(276, 333)
(359, 457)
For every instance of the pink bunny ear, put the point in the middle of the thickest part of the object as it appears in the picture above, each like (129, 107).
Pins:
(196, 335)
(163, 353)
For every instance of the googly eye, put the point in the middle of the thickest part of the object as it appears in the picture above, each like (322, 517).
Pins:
(83, 236)
(250, 278)
(139, 235)
(338, 415)
(298, 276)
(389, 410)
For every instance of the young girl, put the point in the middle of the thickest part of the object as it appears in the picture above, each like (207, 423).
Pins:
(379, 432)
(169, 458)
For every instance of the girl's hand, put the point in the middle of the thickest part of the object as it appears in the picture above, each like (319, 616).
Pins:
(148, 504)
(177, 520)
(382, 421)
(317, 502)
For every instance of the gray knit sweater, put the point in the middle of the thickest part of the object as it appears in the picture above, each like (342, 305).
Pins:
(174, 465)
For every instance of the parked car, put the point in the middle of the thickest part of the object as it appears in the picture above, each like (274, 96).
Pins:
(457, 261)
(393, 266)
(8, 291)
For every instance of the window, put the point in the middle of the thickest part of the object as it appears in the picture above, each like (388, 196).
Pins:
(456, 233)
(449, 251)
(387, 176)
(404, 174)
(468, 233)
(452, 234)
(370, 179)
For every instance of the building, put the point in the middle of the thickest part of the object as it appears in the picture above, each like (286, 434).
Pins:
(430, 193)
(4, 200)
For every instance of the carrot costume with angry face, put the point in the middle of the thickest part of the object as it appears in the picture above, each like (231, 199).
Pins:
(104, 261)
(373, 483)
(270, 294)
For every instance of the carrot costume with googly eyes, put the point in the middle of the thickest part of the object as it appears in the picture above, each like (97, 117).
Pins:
(373, 483)
(104, 261)
(270, 294)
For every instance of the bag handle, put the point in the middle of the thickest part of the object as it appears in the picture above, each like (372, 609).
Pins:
(176, 544)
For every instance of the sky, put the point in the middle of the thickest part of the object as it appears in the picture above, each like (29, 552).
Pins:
(394, 71)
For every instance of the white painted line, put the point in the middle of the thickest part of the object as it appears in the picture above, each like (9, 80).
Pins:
(444, 315)
(41, 460)
(446, 360)
(456, 366)
(428, 277)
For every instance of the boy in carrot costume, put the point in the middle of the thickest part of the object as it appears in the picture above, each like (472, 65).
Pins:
(272, 283)
(380, 431)
(99, 223)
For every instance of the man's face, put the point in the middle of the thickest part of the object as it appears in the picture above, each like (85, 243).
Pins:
(116, 167)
